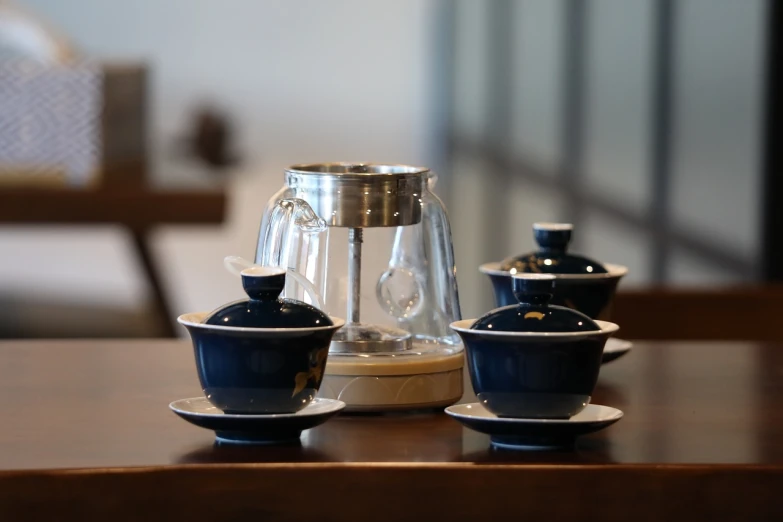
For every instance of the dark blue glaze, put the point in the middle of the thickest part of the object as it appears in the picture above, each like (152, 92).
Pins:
(260, 372)
(516, 373)
(533, 378)
(591, 296)
(533, 313)
(265, 309)
(552, 256)
(246, 363)
(263, 287)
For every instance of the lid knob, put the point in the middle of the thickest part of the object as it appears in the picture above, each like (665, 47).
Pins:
(533, 288)
(553, 237)
(263, 283)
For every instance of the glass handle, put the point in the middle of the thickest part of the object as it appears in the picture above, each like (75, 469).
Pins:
(286, 215)
(281, 239)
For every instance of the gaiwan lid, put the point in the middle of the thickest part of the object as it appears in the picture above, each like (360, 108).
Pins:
(552, 256)
(264, 307)
(533, 313)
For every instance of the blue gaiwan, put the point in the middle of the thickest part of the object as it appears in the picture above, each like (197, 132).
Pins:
(583, 284)
(264, 354)
(534, 359)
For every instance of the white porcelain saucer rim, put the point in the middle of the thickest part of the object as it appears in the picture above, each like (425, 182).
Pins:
(616, 414)
(614, 345)
(332, 406)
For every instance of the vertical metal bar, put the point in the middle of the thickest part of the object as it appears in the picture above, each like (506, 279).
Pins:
(497, 132)
(772, 203)
(575, 51)
(441, 96)
(772, 206)
(661, 119)
(355, 239)
(501, 66)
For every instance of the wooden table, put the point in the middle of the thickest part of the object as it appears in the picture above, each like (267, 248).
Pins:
(134, 205)
(87, 435)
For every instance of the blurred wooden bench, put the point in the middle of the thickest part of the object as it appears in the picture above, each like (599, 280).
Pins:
(752, 313)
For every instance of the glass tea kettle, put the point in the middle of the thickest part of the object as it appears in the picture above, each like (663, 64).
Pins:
(372, 243)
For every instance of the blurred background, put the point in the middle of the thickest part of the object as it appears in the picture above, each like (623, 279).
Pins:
(643, 122)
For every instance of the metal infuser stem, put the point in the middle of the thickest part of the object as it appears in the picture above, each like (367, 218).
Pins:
(355, 239)
(363, 338)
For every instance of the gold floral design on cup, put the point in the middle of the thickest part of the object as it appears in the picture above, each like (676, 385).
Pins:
(315, 371)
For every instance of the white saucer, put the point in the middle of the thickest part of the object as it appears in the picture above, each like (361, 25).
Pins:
(515, 433)
(615, 348)
(255, 429)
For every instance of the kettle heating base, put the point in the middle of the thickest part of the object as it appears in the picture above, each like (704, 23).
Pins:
(384, 383)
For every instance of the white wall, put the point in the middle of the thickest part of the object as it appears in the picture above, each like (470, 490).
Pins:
(343, 80)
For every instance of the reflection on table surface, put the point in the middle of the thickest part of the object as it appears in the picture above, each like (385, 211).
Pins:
(104, 404)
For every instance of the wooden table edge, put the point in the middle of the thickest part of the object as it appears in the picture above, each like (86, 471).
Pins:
(306, 467)
(395, 491)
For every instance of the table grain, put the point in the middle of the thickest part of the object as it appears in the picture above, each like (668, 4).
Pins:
(87, 423)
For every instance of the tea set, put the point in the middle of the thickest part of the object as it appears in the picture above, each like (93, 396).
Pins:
(281, 361)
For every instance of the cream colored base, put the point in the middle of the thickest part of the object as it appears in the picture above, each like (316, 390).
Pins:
(367, 386)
